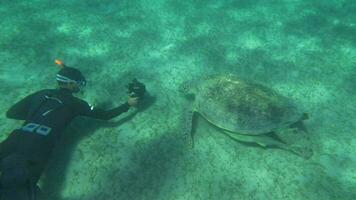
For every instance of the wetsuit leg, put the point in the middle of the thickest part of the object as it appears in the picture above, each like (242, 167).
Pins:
(15, 179)
(35, 169)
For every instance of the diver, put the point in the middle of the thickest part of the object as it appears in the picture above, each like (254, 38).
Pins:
(46, 113)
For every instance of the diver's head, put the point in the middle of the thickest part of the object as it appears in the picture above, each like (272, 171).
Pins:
(70, 78)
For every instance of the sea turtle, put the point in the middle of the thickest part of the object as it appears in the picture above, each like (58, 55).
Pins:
(245, 111)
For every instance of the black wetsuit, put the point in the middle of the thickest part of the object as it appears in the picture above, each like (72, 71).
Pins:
(47, 113)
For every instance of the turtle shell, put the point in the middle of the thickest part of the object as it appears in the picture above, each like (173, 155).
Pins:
(236, 105)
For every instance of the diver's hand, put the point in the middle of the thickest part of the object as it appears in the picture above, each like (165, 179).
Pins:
(132, 101)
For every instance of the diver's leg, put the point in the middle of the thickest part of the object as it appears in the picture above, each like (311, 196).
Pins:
(36, 169)
(15, 179)
(14, 194)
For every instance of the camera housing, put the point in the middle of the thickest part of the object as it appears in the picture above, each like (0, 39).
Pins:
(136, 89)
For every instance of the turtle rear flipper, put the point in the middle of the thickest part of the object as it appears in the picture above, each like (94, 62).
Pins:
(262, 140)
(267, 142)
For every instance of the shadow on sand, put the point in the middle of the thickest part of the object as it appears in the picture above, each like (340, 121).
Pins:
(55, 175)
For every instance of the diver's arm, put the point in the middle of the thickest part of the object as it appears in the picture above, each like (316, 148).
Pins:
(87, 110)
(20, 109)
(109, 114)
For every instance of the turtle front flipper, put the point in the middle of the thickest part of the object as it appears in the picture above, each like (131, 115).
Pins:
(268, 141)
(188, 127)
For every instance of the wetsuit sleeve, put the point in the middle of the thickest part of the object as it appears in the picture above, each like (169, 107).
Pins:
(89, 111)
(20, 109)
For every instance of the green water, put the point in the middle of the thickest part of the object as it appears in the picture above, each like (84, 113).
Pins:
(306, 50)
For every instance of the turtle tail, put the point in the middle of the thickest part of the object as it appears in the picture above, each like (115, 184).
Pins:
(299, 124)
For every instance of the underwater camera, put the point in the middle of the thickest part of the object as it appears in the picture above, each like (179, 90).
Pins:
(136, 89)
